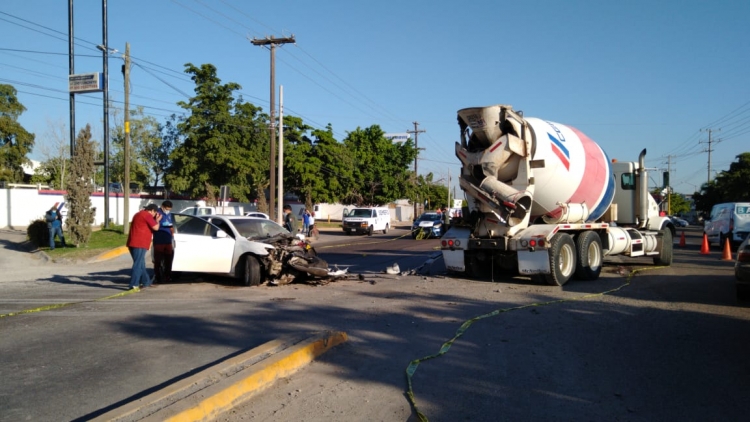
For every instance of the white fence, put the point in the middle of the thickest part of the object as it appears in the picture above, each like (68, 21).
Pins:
(20, 207)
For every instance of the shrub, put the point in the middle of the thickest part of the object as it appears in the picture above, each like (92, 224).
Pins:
(38, 233)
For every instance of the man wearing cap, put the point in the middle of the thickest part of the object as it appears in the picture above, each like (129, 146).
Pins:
(144, 223)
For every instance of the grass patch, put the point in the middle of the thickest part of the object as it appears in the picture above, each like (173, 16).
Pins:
(99, 242)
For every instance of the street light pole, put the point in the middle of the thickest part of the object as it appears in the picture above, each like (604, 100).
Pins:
(105, 77)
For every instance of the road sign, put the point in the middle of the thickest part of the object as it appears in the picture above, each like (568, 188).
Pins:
(85, 82)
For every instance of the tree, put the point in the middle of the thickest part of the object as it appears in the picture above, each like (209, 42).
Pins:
(79, 187)
(15, 142)
(159, 153)
(381, 167)
(55, 150)
(728, 186)
(145, 136)
(222, 137)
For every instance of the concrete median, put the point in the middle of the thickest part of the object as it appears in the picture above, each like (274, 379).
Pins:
(213, 391)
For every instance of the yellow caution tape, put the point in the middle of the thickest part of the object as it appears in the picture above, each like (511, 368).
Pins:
(62, 305)
(412, 368)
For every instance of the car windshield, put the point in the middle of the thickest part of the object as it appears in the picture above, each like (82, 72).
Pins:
(360, 213)
(257, 228)
(429, 217)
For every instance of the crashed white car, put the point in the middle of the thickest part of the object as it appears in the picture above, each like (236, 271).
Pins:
(254, 250)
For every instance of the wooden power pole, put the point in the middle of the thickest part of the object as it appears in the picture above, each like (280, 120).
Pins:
(416, 133)
(126, 145)
(272, 43)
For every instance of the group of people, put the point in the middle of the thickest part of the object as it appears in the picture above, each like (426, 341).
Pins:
(152, 223)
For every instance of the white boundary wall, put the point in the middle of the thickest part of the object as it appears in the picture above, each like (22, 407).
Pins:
(19, 207)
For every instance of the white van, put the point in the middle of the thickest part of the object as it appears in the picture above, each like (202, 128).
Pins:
(730, 220)
(366, 220)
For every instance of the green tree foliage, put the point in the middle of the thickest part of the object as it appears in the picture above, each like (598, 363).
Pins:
(302, 174)
(158, 154)
(15, 142)
(79, 187)
(433, 192)
(336, 173)
(380, 166)
(678, 205)
(729, 186)
(221, 135)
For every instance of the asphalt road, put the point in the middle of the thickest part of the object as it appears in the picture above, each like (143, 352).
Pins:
(671, 344)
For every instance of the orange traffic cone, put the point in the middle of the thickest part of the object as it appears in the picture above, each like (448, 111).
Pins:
(704, 246)
(727, 254)
(682, 239)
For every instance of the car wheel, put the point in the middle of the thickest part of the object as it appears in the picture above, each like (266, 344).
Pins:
(562, 259)
(385, 230)
(589, 263)
(348, 232)
(369, 231)
(249, 271)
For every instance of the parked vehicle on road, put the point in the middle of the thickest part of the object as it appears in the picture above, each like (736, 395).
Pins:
(546, 201)
(678, 222)
(729, 220)
(257, 214)
(253, 250)
(429, 224)
(366, 220)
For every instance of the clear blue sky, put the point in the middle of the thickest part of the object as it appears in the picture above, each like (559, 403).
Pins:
(631, 75)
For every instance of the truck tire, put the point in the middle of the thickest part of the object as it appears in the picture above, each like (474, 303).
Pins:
(385, 229)
(369, 231)
(665, 252)
(589, 263)
(562, 259)
(249, 271)
(348, 232)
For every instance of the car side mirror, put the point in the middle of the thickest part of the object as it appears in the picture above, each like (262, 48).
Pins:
(221, 234)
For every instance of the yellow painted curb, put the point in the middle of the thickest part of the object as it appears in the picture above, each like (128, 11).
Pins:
(206, 395)
(114, 253)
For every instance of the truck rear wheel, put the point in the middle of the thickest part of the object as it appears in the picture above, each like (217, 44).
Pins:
(665, 251)
(562, 259)
(589, 263)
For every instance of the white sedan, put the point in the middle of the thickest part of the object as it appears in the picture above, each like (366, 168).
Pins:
(254, 250)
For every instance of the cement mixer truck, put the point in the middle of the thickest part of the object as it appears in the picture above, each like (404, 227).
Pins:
(545, 201)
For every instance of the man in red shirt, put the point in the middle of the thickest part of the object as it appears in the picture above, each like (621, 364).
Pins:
(144, 223)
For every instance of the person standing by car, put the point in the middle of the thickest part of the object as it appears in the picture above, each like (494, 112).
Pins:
(163, 244)
(144, 223)
(310, 223)
(290, 221)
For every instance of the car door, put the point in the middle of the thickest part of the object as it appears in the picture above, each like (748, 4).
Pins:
(201, 247)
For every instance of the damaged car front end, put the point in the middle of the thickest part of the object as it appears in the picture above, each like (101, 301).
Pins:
(253, 250)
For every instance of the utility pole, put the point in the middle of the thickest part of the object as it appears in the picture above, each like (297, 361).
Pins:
(71, 71)
(709, 150)
(281, 156)
(126, 146)
(669, 189)
(272, 43)
(416, 133)
(105, 76)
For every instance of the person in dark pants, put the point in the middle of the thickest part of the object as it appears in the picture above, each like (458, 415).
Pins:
(290, 221)
(54, 224)
(163, 246)
(144, 223)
